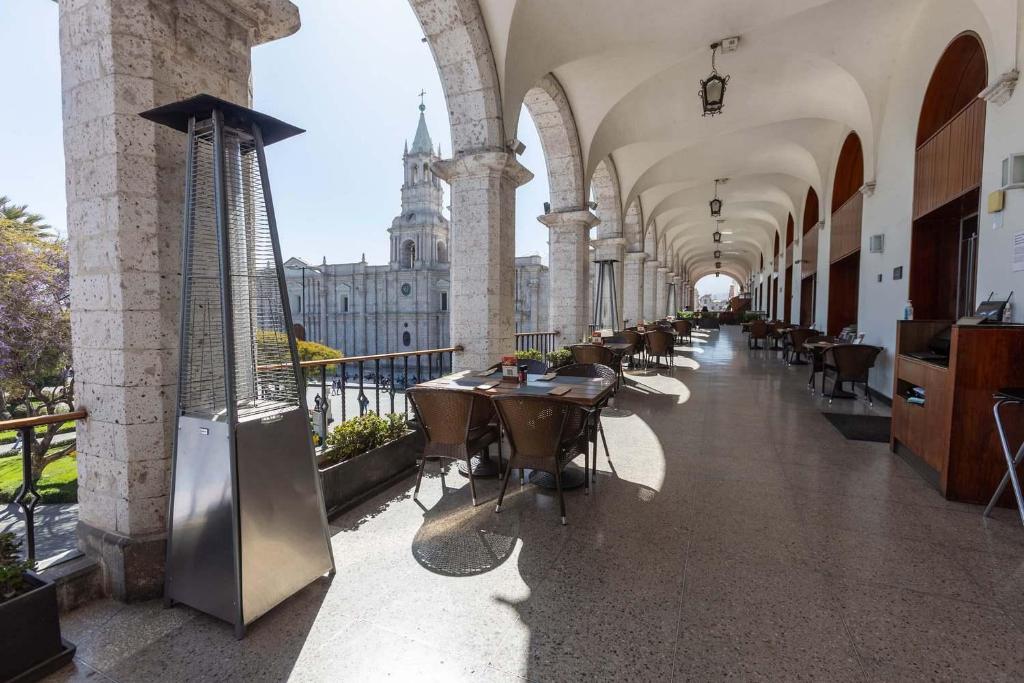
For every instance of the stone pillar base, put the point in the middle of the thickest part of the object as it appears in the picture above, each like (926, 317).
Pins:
(133, 568)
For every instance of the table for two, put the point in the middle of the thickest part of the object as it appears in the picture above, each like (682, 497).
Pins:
(586, 392)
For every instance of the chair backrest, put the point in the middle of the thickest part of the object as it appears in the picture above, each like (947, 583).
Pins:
(588, 370)
(631, 337)
(659, 342)
(853, 360)
(682, 327)
(592, 353)
(758, 329)
(535, 425)
(448, 415)
(534, 366)
(800, 335)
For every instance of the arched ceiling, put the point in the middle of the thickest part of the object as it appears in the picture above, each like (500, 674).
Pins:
(806, 73)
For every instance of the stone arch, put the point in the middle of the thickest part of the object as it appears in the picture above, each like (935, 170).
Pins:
(457, 36)
(551, 114)
(632, 229)
(442, 252)
(605, 189)
(960, 74)
(408, 254)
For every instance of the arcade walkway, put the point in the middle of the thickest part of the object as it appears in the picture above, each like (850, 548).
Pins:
(735, 534)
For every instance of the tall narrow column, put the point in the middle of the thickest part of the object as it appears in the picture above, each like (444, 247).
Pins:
(483, 262)
(569, 271)
(662, 300)
(650, 289)
(125, 185)
(633, 286)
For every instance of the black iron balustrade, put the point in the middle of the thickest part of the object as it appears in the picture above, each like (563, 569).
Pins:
(545, 342)
(374, 375)
(27, 496)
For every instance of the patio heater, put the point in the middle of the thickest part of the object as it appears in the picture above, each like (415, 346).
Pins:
(605, 273)
(246, 526)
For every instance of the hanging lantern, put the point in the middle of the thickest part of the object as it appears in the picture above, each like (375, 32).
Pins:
(718, 265)
(717, 236)
(716, 273)
(716, 203)
(718, 253)
(712, 89)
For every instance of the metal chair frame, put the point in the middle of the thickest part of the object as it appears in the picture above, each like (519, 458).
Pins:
(1004, 397)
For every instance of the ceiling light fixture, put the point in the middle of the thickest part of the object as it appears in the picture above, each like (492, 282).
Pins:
(718, 253)
(716, 203)
(717, 234)
(712, 89)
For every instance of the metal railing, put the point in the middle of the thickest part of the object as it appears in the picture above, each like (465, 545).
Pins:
(27, 496)
(545, 342)
(381, 376)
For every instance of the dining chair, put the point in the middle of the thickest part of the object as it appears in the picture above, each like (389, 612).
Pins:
(797, 338)
(636, 340)
(534, 366)
(457, 425)
(596, 353)
(544, 434)
(604, 372)
(682, 329)
(816, 359)
(660, 343)
(849, 363)
(758, 333)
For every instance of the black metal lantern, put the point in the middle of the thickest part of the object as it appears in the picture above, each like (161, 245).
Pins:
(712, 89)
(716, 203)
(718, 253)
(717, 236)
(718, 265)
(716, 273)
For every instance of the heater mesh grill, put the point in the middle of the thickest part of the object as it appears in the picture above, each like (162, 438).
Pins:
(264, 379)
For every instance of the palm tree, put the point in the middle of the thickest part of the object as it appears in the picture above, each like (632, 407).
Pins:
(21, 215)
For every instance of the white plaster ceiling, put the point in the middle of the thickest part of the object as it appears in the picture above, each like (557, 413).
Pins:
(806, 73)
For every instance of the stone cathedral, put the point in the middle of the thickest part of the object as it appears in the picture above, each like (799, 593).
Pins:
(402, 306)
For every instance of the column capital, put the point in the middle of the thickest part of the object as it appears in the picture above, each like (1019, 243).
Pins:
(662, 269)
(635, 256)
(560, 219)
(267, 20)
(608, 241)
(477, 164)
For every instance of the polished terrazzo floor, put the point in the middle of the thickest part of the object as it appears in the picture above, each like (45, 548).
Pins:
(735, 534)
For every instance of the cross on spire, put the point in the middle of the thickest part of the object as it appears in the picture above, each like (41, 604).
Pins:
(422, 106)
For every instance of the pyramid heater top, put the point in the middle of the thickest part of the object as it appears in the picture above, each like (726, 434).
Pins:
(177, 114)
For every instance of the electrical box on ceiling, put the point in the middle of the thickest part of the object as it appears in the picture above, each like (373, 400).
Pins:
(730, 44)
(876, 244)
(1013, 171)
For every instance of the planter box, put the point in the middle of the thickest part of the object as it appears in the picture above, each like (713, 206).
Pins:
(31, 647)
(354, 480)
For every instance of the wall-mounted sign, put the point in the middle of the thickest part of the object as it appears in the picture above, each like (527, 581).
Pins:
(897, 273)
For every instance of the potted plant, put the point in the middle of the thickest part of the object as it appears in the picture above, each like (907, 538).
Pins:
(364, 454)
(31, 646)
(529, 354)
(559, 357)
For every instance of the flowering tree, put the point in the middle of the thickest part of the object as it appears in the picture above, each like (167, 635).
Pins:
(35, 330)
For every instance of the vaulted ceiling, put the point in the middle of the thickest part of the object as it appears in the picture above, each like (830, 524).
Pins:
(805, 74)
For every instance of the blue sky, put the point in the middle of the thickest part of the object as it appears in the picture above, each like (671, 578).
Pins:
(350, 77)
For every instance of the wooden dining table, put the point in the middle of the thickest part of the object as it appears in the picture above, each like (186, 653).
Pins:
(586, 392)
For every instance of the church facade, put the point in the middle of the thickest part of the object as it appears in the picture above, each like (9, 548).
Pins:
(363, 309)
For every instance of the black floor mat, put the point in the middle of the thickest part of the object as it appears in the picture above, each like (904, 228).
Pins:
(861, 427)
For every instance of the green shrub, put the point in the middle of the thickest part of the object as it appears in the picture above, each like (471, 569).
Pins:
(362, 434)
(529, 354)
(559, 357)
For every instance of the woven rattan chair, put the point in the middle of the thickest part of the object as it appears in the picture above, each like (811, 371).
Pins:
(796, 348)
(605, 373)
(682, 329)
(849, 363)
(595, 353)
(457, 425)
(758, 333)
(635, 339)
(817, 364)
(544, 434)
(660, 344)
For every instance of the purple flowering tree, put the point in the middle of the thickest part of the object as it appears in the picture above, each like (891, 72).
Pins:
(35, 331)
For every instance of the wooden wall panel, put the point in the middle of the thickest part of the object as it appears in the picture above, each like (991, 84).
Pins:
(809, 253)
(949, 163)
(845, 236)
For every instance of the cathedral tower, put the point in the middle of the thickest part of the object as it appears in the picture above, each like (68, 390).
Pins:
(419, 235)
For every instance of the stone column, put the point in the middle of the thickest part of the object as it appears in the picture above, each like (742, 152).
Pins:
(633, 286)
(650, 289)
(483, 262)
(661, 304)
(125, 186)
(569, 271)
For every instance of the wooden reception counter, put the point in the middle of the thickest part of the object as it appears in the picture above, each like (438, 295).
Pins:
(953, 434)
